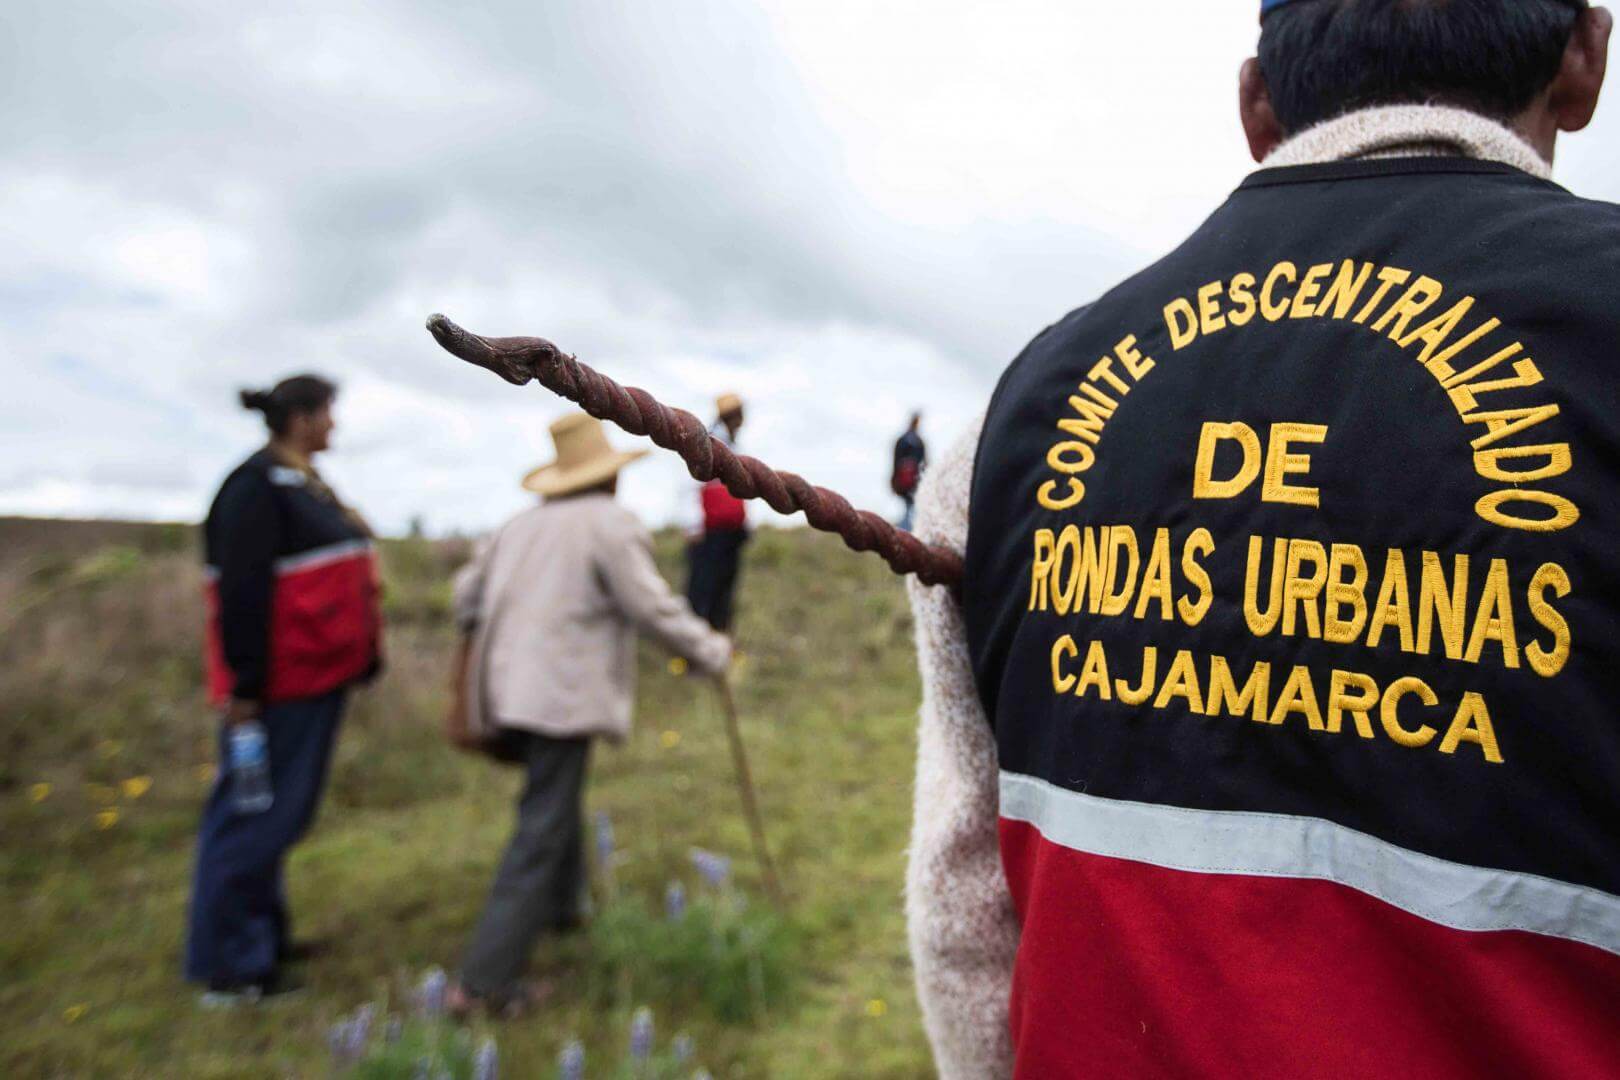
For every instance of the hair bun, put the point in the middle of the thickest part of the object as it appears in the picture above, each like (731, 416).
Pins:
(257, 400)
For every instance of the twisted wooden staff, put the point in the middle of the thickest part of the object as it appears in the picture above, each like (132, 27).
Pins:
(520, 359)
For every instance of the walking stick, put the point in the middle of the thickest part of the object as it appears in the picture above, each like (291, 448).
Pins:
(745, 788)
(519, 360)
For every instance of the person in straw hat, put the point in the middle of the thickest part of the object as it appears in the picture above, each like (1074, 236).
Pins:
(549, 610)
(714, 545)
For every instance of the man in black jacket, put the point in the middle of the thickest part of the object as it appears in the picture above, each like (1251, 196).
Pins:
(1274, 733)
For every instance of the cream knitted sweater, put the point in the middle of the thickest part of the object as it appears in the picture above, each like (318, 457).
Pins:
(962, 926)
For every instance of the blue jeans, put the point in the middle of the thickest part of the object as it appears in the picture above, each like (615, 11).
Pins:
(238, 924)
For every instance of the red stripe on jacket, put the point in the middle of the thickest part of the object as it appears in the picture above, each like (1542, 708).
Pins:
(325, 624)
(1126, 969)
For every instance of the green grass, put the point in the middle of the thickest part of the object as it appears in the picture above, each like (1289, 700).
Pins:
(738, 960)
(99, 679)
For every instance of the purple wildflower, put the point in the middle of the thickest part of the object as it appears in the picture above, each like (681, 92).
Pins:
(641, 1034)
(604, 838)
(394, 1030)
(353, 1045)
(716, 869)
(430, 994)
(360, 1028)
(571, 1062)
(681, 1049)
(486, 1064)
(337, 1038)
(348, 1038)
(675, 901)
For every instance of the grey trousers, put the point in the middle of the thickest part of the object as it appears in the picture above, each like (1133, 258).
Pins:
(541, 879)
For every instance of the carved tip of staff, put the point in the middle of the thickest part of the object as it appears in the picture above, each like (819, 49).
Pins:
(510, 358)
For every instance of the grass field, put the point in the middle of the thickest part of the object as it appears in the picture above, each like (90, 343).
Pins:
(107, 756)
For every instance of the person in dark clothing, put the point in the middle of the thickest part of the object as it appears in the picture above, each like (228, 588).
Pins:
(293, 622)
(1284, 660)
(910, 458)
(714, 554)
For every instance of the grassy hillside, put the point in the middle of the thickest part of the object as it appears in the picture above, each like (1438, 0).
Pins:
(106, 757)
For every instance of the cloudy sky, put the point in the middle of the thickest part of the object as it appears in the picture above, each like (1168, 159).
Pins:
(841, 209)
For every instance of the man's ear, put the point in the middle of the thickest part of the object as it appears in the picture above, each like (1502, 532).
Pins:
(1260, 124)
(1573, 95)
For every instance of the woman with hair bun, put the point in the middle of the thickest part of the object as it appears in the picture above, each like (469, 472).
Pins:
(293, 622)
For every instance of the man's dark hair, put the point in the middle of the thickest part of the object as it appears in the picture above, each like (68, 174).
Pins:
(297, 395)
(1324, 58)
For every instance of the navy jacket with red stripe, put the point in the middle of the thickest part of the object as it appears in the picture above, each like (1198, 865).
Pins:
(1293, 595)
(292, 587)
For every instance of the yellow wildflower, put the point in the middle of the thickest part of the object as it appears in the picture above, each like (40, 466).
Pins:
(73, 1012)
(205, 773)
(669, 740)
(106, 819)
(136, 786)
(876, 1007)
(677, 665)
(102, 793)
(39, 793)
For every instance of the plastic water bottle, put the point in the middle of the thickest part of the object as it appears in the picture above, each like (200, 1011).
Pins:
(248, 752)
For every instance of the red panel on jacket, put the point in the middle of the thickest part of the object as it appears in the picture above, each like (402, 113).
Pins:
(1131, 970)
(325, 626)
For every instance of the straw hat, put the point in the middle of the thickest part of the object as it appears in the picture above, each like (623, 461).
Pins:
(726, 403)
(585, 458)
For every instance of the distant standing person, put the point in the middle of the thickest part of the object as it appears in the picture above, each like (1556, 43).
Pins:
(910, 458)
(549, 609)
(714, 554)
(293, 622)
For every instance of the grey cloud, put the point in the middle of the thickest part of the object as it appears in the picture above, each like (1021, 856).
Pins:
(158, 475)
(651, 147)
(640, 181)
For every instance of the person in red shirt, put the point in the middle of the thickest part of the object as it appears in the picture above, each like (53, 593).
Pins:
(714, 554)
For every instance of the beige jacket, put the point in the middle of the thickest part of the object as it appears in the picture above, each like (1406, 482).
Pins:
(963, 929)
(554, 600)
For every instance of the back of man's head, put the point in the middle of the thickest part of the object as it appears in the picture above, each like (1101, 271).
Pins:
(1535, 65)
(1323, 58)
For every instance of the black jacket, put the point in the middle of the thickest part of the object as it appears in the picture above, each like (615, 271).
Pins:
(292, 586)
(1293, 593)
